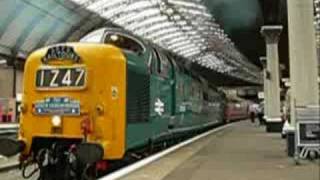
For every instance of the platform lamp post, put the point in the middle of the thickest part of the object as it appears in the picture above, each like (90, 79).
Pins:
(271, 34)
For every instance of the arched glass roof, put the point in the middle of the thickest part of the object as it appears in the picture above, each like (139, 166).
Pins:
(182, 26)
(26, 25)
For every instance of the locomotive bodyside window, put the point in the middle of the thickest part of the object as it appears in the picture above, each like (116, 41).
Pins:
(157, 63)
(165, 66)
(153, 63)
(124, 42)
(162, 65)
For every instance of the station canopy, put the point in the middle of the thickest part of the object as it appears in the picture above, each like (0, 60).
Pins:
(184, 27)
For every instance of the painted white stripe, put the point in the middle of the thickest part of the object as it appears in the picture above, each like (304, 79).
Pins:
(125, 171)
(274, 119)
(6, 126)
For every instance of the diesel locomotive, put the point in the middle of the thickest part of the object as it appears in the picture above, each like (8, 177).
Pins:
(99, 100)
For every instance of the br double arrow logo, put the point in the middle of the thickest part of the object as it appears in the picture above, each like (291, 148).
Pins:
(159, 107)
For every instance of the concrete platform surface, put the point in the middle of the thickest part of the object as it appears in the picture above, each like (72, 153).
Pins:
(8, 163)
(243, 151)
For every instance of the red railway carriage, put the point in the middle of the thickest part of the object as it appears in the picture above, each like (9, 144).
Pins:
(236, 110)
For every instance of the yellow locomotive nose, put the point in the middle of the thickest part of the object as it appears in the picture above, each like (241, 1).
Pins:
(75, 92)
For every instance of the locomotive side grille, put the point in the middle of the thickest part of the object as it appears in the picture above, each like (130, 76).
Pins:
(138, 97)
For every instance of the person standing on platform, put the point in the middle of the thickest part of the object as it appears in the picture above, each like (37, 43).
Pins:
(260, 112)
(252, 112)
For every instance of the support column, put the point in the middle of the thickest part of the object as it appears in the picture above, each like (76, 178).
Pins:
(303, 55)
(272, 35)
(263, 61)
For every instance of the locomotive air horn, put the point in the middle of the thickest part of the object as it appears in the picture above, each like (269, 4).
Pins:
(10, 147)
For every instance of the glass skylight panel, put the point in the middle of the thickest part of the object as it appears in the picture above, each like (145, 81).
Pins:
(192, 32)
(187, 27)
(182, 23)
(105, 5)
(148, 21)
(186, 4)
(157, 27)
(169, 11)
(189, 47)
(139, 5)
(183, 26)
(193, 12)
(172, 30)
(135, 16)
(190, 54)
(176, 40)
(190, 51)
(182, 43)
(181, 48)
(93, 3)
(100, 4)
(111, 13)
(167, 36)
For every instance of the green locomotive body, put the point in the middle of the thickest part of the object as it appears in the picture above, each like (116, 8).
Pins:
(164, 100)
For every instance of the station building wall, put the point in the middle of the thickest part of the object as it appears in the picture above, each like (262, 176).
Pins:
(7, 101)
(6, 82)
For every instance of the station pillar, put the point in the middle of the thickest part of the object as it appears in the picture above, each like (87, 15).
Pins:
(263, 61)
(303, 56)
(272, 36)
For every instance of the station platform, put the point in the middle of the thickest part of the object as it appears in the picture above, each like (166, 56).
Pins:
(242, 151)
(8, 163)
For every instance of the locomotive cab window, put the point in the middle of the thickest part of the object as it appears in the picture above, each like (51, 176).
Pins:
(94, 37)
(124, 42)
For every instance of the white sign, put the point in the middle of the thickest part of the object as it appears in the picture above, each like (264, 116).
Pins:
(159, 107)
(261, 95)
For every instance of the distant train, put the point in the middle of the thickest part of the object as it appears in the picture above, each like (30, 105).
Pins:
(236, 110)
(95, 102)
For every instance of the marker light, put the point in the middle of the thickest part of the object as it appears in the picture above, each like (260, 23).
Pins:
(56, 121)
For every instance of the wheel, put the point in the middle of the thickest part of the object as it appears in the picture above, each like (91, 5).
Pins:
(312, 155)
